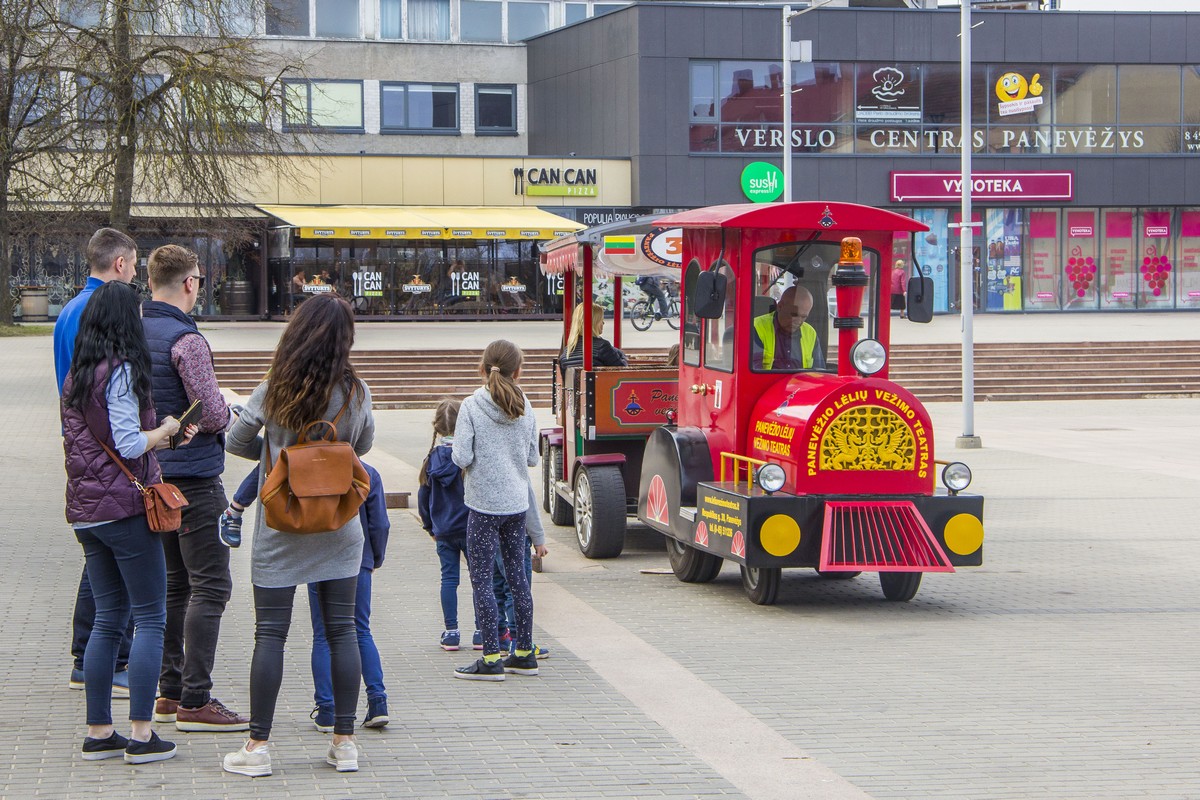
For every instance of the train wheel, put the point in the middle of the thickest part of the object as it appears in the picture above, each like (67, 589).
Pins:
(561, 512)
(547, 476)
(761, 584)
(640, 316)
(837, 576)
(600, 512)
(900, 586)
(691, 565)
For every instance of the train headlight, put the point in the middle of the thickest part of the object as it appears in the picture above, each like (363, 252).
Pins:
(956, 476)
(868, 356)
(770, 478)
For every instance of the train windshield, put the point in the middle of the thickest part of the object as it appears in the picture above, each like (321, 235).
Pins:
(794, 306)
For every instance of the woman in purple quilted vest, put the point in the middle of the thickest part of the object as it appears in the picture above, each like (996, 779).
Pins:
(106, 404)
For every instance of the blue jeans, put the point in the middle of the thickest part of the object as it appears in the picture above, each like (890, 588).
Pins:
(247, 491)
(372, 667)
(450, 550)
(128, 574)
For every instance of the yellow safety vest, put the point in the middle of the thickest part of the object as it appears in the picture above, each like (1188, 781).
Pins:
(764, 326)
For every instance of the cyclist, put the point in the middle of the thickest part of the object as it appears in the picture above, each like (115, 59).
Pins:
(650, 286)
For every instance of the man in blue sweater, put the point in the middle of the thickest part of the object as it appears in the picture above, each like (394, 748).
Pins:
(112, 256)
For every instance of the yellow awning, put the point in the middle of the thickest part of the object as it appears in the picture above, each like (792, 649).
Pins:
(422, 222)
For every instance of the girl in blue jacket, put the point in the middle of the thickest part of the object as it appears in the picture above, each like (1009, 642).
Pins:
(444, 514)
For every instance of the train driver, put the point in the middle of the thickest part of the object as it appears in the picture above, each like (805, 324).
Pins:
(782, 340)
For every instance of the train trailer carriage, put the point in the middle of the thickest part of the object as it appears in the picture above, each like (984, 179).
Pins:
(789, 446)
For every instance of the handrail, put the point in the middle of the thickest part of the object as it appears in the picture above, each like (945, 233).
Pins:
(738, 460)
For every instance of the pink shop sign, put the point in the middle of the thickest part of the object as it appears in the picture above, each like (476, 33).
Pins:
(946, 187)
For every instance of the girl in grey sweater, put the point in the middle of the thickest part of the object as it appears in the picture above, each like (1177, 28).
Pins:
(495, 442)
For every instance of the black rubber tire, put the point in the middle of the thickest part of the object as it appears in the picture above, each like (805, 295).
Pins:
(561, 512)
(640, 316)
(673, 317)
(547, 487)
(600, 511)
(900, 586)
(761, 584)
(691, 565)
(837, 576)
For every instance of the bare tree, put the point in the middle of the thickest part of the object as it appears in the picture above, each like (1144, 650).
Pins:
(37, 125)
(183, 101)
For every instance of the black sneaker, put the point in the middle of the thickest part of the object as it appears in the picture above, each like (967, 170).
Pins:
(521, 665)
(481, 671)
(145, 752)
(100, 749)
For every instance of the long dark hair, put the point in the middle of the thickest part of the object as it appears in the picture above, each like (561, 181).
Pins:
(110, 331)
(312, 357)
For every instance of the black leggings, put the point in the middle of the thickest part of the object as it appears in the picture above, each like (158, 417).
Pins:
(272, 618)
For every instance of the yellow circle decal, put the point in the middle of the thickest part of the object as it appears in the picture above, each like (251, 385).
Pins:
(964, 534)
(780, 535)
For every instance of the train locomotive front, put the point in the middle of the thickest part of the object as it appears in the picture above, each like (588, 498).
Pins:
(774, 465)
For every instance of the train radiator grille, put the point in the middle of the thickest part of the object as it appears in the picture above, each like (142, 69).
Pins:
(879, 536)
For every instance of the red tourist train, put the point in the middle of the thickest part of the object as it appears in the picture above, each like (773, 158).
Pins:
(762, 446)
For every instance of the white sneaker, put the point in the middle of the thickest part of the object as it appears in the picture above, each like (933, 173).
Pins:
(344, 756)
(254, 763)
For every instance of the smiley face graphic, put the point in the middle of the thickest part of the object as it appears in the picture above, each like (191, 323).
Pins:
(1011, 86)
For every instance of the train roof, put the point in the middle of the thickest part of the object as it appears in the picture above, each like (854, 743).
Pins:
(804, 215)
(624, 247)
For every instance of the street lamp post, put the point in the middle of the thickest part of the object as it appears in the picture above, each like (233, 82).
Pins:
(788, 15)
(966, 245)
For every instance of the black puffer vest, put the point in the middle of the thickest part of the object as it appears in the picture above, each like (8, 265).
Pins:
(204, 456)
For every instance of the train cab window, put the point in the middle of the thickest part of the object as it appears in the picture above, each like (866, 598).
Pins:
(691, 323)
(792, 306)
(719, 333)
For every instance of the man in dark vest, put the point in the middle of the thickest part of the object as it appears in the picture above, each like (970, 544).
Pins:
(198, 580)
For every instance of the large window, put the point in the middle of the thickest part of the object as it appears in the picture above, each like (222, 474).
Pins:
(790, 311)
(287, 17)
(527, 19)
(324, 105)
(422, 107)
(429, 20)
(885, 108)
(337, 19)
(495, 109)
(481, 20)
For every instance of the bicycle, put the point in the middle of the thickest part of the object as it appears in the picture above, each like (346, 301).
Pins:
(643, 313)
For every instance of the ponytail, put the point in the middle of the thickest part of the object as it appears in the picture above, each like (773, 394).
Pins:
(499, 367)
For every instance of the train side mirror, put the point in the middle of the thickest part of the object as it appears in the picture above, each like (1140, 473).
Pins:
(708, 295)
(920, 299)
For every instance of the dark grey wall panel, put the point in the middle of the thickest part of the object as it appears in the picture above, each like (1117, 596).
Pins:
(1093, 185)
(650, 181)
(1059, 38)
(988, 40)
(1168, 38)
(943, 37)
(1131, 182)
(652, 36)
(1132, 41)
(1193, 39)
(723, 33)
(835, 32)
(1097, 37)
(685, 29)
(1022, 35)
(1163, 184)
(762, 35)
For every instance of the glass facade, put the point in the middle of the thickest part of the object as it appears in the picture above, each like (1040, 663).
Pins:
(422, 278)
(897, 108)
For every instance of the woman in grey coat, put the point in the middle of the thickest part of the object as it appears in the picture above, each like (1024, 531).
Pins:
(310, 379)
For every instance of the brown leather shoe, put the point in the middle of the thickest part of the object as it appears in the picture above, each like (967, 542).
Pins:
(164, 709)
(213, 717)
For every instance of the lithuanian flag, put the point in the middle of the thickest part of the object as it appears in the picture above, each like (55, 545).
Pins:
(620, 245)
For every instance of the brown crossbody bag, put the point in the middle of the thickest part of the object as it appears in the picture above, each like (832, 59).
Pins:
(164, 502)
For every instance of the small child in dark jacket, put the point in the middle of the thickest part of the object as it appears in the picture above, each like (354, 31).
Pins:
(376, 527)
(444, 514)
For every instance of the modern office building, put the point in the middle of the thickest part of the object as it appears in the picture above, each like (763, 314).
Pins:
(1086, 133)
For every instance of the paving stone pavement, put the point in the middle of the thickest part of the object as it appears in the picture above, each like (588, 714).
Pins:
(1063, 668)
